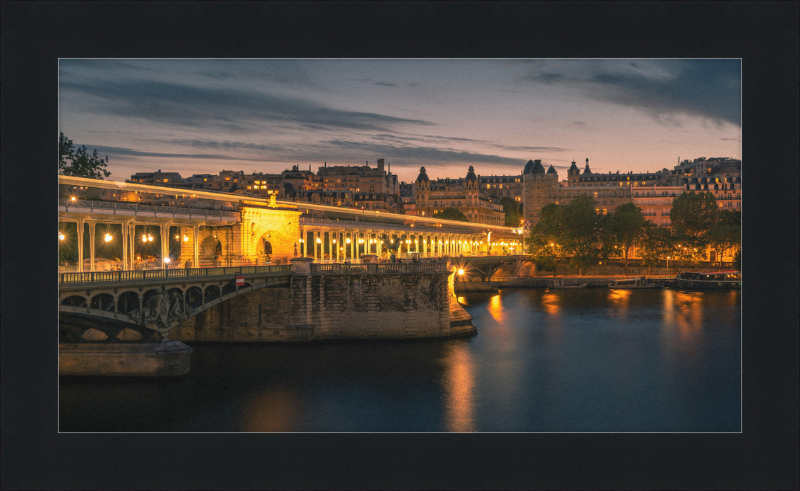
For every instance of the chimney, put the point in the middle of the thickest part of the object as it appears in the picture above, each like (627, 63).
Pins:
(380, 165)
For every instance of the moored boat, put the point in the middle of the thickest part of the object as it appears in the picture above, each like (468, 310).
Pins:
(717, 280)
(559, 284)
(633, 283)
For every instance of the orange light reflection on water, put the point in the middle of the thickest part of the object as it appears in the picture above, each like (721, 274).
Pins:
(495, 308)
(550, 303)
(459, 385)
(620, 300)
(684, 310)
(274, 410)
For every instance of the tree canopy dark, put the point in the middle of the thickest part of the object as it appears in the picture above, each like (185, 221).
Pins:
(78, 162)
(512, 211)
(624, 228)
(693, 213)
(452, 214)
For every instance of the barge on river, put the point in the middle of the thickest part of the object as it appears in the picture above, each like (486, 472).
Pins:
(633, 283)
(720, 280)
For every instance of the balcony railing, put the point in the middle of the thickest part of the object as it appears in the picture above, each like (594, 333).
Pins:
(337, 268)
(167, 274)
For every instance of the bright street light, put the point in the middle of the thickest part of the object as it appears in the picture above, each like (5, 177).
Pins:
(108, 238)
(60, 236)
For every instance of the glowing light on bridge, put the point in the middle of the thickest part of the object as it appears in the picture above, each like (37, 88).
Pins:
(61, 237)
(108, 238)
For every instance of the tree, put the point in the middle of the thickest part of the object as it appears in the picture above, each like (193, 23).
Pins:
(731, 217)
(693, 214)
(78, 162)
(723, 236)
(512, 211)
(625, 227)
(655, 245)
(452, 214)
(545, 236)
(580, 235)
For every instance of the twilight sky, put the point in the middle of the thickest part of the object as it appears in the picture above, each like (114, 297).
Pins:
(203, 116)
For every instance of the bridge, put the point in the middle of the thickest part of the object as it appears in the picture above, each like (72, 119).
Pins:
(146, 305)
(207, 229)
(483, 267)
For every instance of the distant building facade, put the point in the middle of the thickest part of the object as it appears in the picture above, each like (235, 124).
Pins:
(464, 194)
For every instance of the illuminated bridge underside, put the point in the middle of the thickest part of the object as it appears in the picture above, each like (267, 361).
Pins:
(484, 267)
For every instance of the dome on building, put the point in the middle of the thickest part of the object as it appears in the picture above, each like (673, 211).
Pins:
(422, 175)
(551, 170)
(471, 174)
(536, 168)
(586, 170)
(528, 167)
(573, 169)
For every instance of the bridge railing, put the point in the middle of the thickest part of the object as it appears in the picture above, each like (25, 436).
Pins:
(379, 268)
(166, 274)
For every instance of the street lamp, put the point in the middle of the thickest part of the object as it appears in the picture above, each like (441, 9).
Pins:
(61, 236)
(108, 238)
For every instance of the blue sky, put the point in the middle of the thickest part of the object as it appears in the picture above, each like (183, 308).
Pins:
(203, 116)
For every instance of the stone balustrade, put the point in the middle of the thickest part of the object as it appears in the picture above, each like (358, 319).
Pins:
(380, 268)
(166, 274)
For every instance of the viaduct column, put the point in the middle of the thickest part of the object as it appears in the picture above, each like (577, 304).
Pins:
(195, 248)
(124, 224)
(80, 244)
(91, 245)
(164, 230)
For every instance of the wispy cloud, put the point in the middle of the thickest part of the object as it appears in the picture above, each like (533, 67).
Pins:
(664, 89)
(182, 105)
(120, 152)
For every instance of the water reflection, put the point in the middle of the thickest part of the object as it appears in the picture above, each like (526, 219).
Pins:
(550, 303)
(272, 410)
(459, 386)
(620, 300)
(495, 309)
(683, 310)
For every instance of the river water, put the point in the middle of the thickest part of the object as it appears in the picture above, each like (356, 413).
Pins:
(592, 360)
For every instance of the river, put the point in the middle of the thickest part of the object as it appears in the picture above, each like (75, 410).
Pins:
(591, 360)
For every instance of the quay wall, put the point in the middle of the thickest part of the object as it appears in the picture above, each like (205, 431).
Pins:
(336, 306)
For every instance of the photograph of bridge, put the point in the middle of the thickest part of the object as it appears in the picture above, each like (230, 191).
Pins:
(222, 246)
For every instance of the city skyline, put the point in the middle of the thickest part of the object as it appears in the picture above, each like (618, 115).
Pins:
(203, 116)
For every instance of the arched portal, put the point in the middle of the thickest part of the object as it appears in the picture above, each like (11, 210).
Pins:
(209, 252)
(264, 249)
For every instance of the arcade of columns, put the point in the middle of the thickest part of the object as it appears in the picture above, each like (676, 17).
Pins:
(243, 242)
(338, 244)
(135, 234)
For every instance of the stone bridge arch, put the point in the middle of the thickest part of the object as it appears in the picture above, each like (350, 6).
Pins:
(162, 308)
